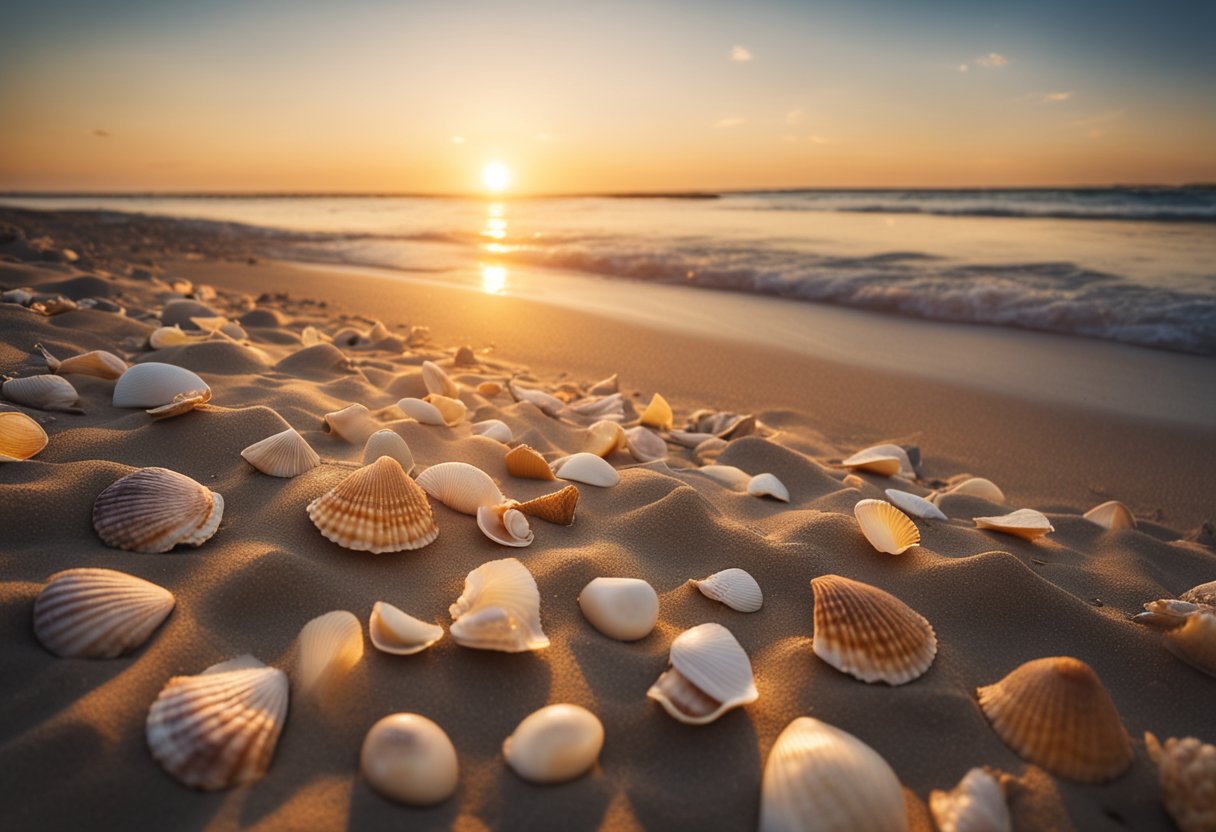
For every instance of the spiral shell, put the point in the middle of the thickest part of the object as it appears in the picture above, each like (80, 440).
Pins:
(153, 384)
(557, 507)
(733, 587)
(499, 609)
(376, 509)
(556, 744)
(20, 436)
(45, 392)
(154, 509)
(1195, 641)
(460, 486)
(504, 524)
(98, 613)
(396, 632)
(285, 454)
(887, 528)
(709, 674)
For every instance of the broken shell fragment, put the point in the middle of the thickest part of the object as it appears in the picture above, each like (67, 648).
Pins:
(409, 759)
(604, 438)
(153, 384)
(1195, 641)
(20, 436)
(658, 414)
(284, 454)
(182, 403)
(154, 509)
(495, 429)
(353, 423)
(46, 392)
(388, 443)
(884, 460)
(499, 609)
(915, 505)
(1025, 523)
(376, 509)
(556, 744)
(504, 524)
(98, 613)
(1186, 769)
(976, 804)
(733, 587)
(625, 609)
(1111, 515)
(557, 507)
(709, 674)
(887, 528)
(589, 469)
(645, 445)
(437, 381)
(97, 363)
(396, 632)
(452, 410)
(527, 463)
(460, 486)
(767, 485)
(328, 647)
(422, 411)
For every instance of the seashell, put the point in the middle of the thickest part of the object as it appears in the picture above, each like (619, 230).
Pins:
(182, 403)
(393, 631)
(310, 336)
(97, 363)
(603, 438)
(1025, 523)
(490, 389)
(854, 481)
(504, 524)
(1195, 641)
(887, 528)
(219, 325)
(353, 423)
(975, 487)
(452, 410)
(914, 505)
(1203, 594)
(976, 804)
(388, 443)
(527, 463)
(328, 647)
(556, 744)
(376, 509)
(219, 729)
(377, 334)
(153, 384)
(689, 439)
(589, 469)
(167, 336)
(499, 609)
(494, 429)
(605, 387)
(708, 451)
(98, 613)
(884, 460)
(733, 587)
(1186, 769)
(1111, 515)
(557, 507)
(645, 445)
(625, 609)
(437, 381)
(608, 408)
(818, 777)
(727, 475)
(422, 411)
(21, 297)
(465, 357)
(870, 634)
(1055, 713)
(409, 759)
(46, 392)
(20, 436)
(54, 306)
(154, 509)
(767, 485)
(709, 674)
(658, 414)
(460, 486)
(549, 405)
(1166, 613)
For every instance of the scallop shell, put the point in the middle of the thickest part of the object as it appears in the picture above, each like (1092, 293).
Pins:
(914, 505)
(328, 647)
(396, 632)
(44, 392)
(975, 487)
(376, 509)
(887, 528)
(388, 443)
(490, 389)
(167, 336)
(1111, 515)
(976, 804)
(154, 509)
(589, 469)
(98, 613)
(1055, 713)
(549, 405)
(733, 587)
(219, 729)
(527, 463)
(557, 507)
(353, 423)
(182, 403)
(1195, 641)
(284, 454)
(422, 411)
(452, 410)
(605, 387)
(818, 777)
(495, 429)
(409, 759)
(604, 438)
(709, 674)
(625, 609)
(645, 445)
(658, 414)
(556, 744)
(20, 436)
(727, 475)
(153, 384)
(499, 609)
(437, 381)
(97, 363)
(504, 524)
(767, 485)
(1025, 523)
(460, 486)
(1186, 769)
(884, 460)
(868, 633)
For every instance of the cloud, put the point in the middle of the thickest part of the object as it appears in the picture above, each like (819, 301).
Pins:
(457, 140)
(740, 54)
(993, 60)
(1057, 97)
(729, 121)
(963, 67)
(795, 117)
(101, 134)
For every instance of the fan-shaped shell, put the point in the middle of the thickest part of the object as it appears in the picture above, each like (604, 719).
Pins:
(421, 411)
(557, 507)
(868, 633)
(154, 509)
(376, 509)
(709, 674)
(1055, 713)
(589, 469)
(976, 804)
(284, 454)
(887, 528)
(1025, 523)
(46, 392)
(97, 363)
(98, 613)
(527, 463)
(915, 505)
(388, 443)
(167, 336)
(495, 429)
(1186, 769)
(219, 729)
(20, 436)
(504, 524)
(978, 487)
(327, 648)
(658, 414)
(604, 438)
(549, 405)
(727, 475)
(622, 608)
(767, 485)
(1195, 641)
(409, 759)
(460, 486)
(821, 779)
(153, 384)
(499, 609)
(884, 460)
(437, 381)
(490, 389)
(733, 587)
(645, 445)
(1111, 515)
(396, 632)
(452, 410)
(353, 423)
(556, 744)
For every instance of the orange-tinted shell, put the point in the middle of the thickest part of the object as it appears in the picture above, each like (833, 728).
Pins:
(525, 462)
(557, 507)
(376, 509)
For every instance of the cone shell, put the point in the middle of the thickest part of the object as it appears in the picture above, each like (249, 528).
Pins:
(20, 436)
(645, 445)
(767, 485)
(376, 509)
(422, 411)
(549, 405)
(1195, 641)
(409, 759)
(505, 525)
(495, 429)
(625, 609)
(353, 423)
(396, 632)
(285, 454)
(868, 633)
(97, 363)
(154, 509)
(219, 729)
(167, 336)
(1186, 769)
(153, 384)
(499, 609)
(527, 463)
(490, 389)
(733, 587)
(727, 475)
(604, 438)
(388, 443)
(1055, 713)
(45, 392)
(1025, 523)
(452, 410)
(437, 381)
(887, 528)
(820, 778)
(557, 507)
(976, 804)
(709, 674)
(327, 648)
(978, 487)
(658, 414)
(1111, 515)
(556, 744)
(98, 613)
(589, 469)
(460, 486)
(884, 460)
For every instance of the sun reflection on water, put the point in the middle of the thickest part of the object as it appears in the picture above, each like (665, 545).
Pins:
(493, 279)
(494, 274)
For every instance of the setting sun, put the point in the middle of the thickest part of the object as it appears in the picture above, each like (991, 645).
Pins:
(495, 176)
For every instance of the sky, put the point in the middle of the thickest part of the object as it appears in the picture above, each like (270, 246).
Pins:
(369, 96)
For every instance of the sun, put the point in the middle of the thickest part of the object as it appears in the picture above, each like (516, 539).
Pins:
(495, 176)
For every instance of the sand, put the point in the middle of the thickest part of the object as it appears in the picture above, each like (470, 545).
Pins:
(72, 731)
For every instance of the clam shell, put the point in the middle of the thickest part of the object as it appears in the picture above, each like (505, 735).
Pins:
(884, 460)
(388, 443)
(658, 414)
(1025, 523)
(460, 486)
(327, 648)
(167, 336)
(868, 633)
(409, 759)
(820, 778)
(495, 429)
(97, 363)
(153, 384)
(733, 587)
(604, 438)
(219, 729)
(505, 525)
(490, 389)
(605, 387)
(556, 744)
(887, 528)
(422, 411)
(46, 392)
(625, 609)
(914, 505)
(527, 463)
(978, 487)
(353, 423)
(284, 454)
(549, 405)
(437, 381)
(20, 436)
(1055, 713)
(1186, 769)
(182, 403)
(709, 674)
(499, 609)
(376, 509)
(98, 613)
(396, 632)
(154, 509)
(589, 469)
(452, 410)
(727, 475)
(767, 485)
(1111, 515)
(557, 507)
(1195, 641)
(976, 804)
(645, 445)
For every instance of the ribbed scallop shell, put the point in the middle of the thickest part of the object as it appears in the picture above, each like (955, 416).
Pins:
(1111, 515)
(376, 509)
(1055, 713)
(767, 485)
(46, 392)
(558, 507)
(589, 469)
(437, 381)
(97, 363)
(709, 674)
(154, 509)
(820, 778)
(219, 729)
(327, 648)
(527, 463)
(1025, 523)
(353, 423)
(622, 608)
(658, 414)
(556, 744)
(1195, 641)
(733, 587)
(549, 405)
(499, 609)
(409, 759)
(285, 454)
(495, 429)
(153, 384)
(976, 804)
(868, 633)
(727, 475)
(452, 410)
(978, 487)
(460, 486)
(388, 443)
(915, 505)
(167, 336)
(98, 613)
(887, 528)
(604, 438)
(504, 525)
(645, 445)
(1186, 769)
(884, 460)
(20, 436)
(421, 411)
(396, 632)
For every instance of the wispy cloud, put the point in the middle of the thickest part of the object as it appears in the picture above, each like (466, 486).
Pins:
(729, 121)
(795, 117)
(993, 60)
(740, 54)
(101, 134)
(1057, 97)
(457, 140)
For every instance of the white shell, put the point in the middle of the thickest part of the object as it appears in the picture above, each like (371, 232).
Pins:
(421, 411)
(709, 674)
(437, 381)
(397, 632)
(549, 405)
(976, 804)
(975, 487)
(733, 587)
(914, 505)
(409, 759)
(153, 384)
(1111, 515)
(167, 336)
(388, 443)
(46, 392)
(328, 647)
(495, 429)
(284, 454)
(499, 609)
(622, 608)
(353, 423)
(884, 460)
(504, 525)
(20, 436)
(98, 613)
(645, 445)
(1025, 523)
(887, 528)
(727, 475)
(821, 779)
(154, 509)
(556, 744)
(767, 485)
(460, 486)
(588, 468)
